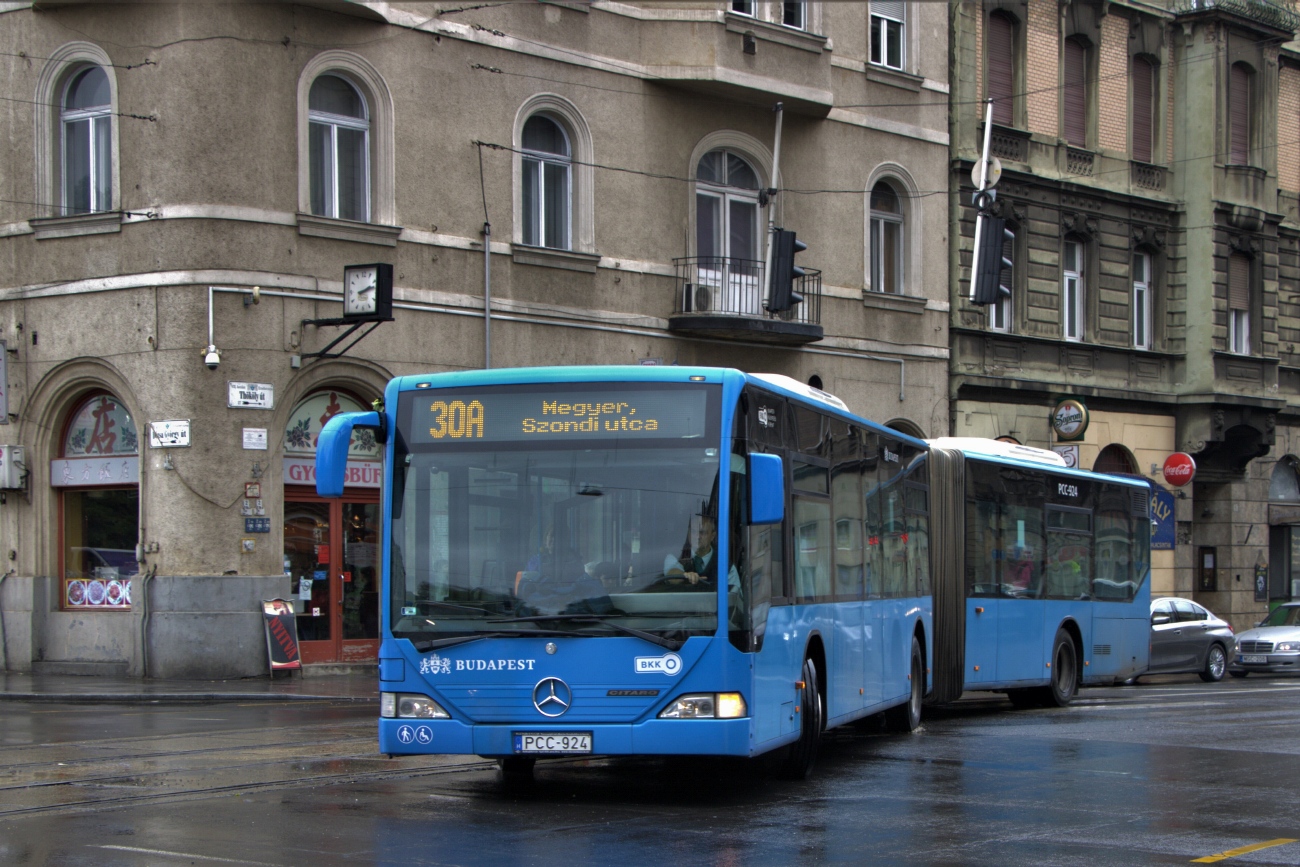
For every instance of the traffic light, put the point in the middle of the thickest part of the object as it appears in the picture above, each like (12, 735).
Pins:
(780, 292)
(988, 279)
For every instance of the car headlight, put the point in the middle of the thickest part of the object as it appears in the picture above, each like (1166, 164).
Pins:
(720, 705)
(1287, 646)
(410, 706)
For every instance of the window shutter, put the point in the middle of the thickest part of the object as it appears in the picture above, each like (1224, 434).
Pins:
(1239, 115)
(1143, 98)
(1238, 282)
(1000, 45)
(1075, 93)
(895, 9)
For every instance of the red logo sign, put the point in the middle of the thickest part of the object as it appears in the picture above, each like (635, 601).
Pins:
(1179, 469)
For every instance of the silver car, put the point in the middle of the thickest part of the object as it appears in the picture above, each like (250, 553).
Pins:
(1187, 637)
(1272, 646)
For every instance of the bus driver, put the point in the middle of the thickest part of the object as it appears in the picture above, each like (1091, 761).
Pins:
(702, 566)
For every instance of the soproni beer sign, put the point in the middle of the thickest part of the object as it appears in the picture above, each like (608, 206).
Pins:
(1070, 420)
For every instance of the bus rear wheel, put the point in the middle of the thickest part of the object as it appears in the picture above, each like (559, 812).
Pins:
(1065, 672)
(802, 754)
(906, 717)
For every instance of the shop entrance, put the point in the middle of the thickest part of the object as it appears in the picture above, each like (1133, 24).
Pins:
(331, 561)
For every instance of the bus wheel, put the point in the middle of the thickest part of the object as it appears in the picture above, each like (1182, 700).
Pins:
(802, 754)
(1065, 671)
(516, 769)
(906, 717)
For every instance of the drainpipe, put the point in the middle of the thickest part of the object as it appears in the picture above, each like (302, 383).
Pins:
(487, 296)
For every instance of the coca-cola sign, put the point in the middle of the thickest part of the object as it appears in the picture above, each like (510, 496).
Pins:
(1179, 469)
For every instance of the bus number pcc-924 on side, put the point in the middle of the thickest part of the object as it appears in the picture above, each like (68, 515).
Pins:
(677, 560)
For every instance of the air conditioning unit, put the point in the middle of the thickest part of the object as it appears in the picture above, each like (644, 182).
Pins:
(12, 468)
(703, 298)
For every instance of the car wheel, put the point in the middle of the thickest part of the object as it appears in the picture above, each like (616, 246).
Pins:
(906, 717)
(802, 754)
(1216, 662)
(1238, 674)
(1065, 672)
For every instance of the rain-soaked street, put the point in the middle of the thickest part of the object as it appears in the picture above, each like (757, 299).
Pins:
(1164, 773)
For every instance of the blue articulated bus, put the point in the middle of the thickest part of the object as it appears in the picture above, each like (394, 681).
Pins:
(680, 560)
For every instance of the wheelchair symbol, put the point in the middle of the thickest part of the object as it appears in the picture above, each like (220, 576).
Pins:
(424, 735)
(406, 734)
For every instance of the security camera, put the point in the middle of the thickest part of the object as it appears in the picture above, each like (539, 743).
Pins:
(212, 358)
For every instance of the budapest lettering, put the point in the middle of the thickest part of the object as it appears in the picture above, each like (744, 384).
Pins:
(436, 664)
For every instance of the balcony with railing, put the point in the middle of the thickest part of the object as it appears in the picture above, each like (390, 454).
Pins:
(724, 298)
(1276, 16)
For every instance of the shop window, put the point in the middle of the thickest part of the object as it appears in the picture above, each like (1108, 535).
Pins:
(97, 476)
(303, 430)
(1117, 459)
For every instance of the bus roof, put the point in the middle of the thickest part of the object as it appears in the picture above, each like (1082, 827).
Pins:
(998, 449)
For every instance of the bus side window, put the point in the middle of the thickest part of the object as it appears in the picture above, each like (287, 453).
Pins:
(1069, 553)
(870, 483)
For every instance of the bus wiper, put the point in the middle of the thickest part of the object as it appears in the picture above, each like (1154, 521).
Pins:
(431, 643)
(451, 606)
(597, 618)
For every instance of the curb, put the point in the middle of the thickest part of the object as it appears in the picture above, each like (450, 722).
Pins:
(174, 697)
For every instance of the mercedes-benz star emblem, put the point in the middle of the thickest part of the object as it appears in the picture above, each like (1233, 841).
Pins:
(552, 696)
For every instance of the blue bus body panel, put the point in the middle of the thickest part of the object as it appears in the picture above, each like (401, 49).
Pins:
(332, 450)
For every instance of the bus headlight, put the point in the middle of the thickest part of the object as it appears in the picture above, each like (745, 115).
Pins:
(722, 705)
(409, 706)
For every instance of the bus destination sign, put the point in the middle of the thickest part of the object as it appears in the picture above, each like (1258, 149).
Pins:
(554, 414)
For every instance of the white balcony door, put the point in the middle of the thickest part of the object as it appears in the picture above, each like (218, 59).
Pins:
(727, 244)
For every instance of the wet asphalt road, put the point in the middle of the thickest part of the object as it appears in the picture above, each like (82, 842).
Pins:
(1162, 773)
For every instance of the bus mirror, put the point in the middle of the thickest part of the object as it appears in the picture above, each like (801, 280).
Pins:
(766, 489)
(332, 449)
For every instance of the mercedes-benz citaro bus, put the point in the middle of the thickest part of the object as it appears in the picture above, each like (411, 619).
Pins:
(686, 560)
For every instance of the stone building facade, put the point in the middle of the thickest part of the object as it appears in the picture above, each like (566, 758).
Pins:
(1150, 173)
(185, 183)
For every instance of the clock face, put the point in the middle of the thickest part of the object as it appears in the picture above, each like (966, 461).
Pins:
(359, 293)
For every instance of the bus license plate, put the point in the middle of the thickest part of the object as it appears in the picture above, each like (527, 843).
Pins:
(553, 742)
(1254, 660)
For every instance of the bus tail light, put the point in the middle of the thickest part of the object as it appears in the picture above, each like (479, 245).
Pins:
(721, 705)
(410, 706)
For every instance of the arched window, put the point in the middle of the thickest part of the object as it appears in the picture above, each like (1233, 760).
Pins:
(97, 475)
(339, 149)
(1284, 484)
(1000, 66)
(86, 123)
(1115, 458)
(547, 184)
(727, 240)
(886, 240)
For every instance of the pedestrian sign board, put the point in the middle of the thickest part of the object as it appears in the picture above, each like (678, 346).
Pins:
(281, 635)
(250, 395)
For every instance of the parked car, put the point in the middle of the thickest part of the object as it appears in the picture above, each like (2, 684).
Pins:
(1272, 646)
(1187, 637)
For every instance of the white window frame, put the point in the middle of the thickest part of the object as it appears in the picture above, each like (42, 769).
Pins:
(64, 64)
(886, 22)
(335, 122)
(1142, 302)
(743, 7)
(543, 159)
(97, 116)
(878, 221)
(743, 292)
(1239, 331)
(799, 6)
(1073, 326)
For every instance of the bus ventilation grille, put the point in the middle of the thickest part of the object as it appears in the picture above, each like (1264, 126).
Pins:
(1101, 650)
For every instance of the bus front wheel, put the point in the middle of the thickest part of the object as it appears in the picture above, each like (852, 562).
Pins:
(906, 717)
(802, 754)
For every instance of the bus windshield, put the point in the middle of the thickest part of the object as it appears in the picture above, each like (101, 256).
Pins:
(555, 533)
